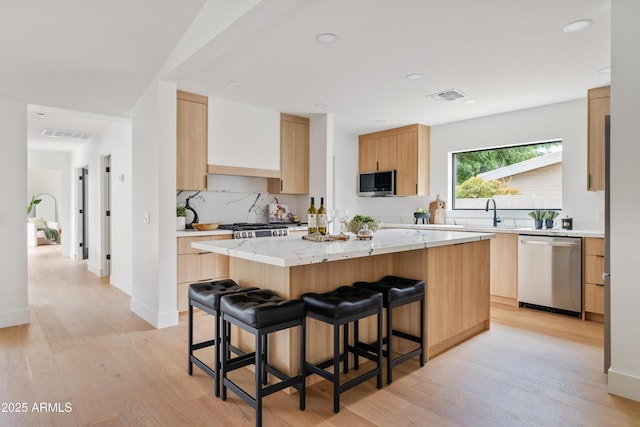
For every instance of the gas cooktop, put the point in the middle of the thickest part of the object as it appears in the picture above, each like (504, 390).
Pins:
(244, 230)
(240, 226)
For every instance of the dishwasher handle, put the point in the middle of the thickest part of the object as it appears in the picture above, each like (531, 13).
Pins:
(548, 243)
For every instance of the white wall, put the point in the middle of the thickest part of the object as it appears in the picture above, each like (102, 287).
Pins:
(566, 120)
(60, 162)
(116, 142)
(253, 132)
(154, 294)
(624, 375)
(14, 309)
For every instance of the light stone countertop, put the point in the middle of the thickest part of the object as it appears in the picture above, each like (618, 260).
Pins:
(499, 229)
(292, 251)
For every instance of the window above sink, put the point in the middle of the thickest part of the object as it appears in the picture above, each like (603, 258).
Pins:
(521, 177)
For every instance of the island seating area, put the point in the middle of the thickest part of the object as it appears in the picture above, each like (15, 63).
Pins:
(453, 265)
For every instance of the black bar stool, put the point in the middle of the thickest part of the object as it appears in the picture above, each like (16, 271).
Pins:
(398, 291)
(206, 296)
(261, 312)
(339, 308)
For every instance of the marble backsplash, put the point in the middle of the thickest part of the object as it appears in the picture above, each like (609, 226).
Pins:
(232, 199)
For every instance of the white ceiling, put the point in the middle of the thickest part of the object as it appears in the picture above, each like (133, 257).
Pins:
(99, 56)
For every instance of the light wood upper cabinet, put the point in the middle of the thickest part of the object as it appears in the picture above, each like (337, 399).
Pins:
(191, 141)
(404, 149)
(378, 153)
(593, 267)
(599, 107)
(294, 157)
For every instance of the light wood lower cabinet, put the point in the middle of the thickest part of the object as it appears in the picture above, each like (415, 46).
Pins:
(196, 266)
(593, 283)
(504, 269)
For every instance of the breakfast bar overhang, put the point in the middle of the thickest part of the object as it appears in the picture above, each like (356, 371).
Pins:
(454, 265)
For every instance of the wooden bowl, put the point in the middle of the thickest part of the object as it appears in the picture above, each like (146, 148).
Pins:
(206, 227)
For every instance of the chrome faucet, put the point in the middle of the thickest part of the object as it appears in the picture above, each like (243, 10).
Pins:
(496, 218)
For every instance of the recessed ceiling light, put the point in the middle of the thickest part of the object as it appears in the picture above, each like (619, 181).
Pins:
(605, 70)
(326, 38)
(320, 105)
(379, 122)
(40, 114)
(235, 83)
(470, 101)
(577, 25)
(415, 76)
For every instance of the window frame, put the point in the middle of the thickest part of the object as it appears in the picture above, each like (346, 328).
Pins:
(452, 174)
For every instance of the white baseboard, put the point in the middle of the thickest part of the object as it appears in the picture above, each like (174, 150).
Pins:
(95, 269)
(14, 318)
(624, 385)
(122, 284)
(157, 320)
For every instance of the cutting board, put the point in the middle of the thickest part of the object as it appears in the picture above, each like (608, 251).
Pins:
(432, 209)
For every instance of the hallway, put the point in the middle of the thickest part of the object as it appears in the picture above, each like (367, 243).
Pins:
(91, 361)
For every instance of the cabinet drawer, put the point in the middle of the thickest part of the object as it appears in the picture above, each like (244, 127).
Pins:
(184, 243)
(593, 269)
(593, 246)
(202, 266)
(593, 298)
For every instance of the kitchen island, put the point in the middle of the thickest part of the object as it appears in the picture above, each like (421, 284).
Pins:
(454, 265)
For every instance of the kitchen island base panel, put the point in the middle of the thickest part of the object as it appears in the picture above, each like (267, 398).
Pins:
(457, 280)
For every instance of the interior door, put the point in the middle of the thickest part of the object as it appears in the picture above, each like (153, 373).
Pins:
(84, 213)
(107, 216)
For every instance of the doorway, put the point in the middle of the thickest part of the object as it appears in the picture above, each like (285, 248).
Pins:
(83, 213)
(105, 220)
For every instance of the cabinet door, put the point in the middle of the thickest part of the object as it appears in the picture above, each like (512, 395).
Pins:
(475, 283)
(367, 156)
(504, 268)
(191, 142)
(294, 157)
(407, 164)
(386, 152)
(204, 266)
(599, 107)
(593, 298)
(444, 284)
(593, 267)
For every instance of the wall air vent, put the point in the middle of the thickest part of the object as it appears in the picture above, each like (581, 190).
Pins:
(450, 95)
(70, 134)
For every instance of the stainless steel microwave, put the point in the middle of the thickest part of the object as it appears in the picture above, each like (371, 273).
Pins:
(374, 184)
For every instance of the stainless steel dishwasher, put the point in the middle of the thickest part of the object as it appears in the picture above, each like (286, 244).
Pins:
(550, 273)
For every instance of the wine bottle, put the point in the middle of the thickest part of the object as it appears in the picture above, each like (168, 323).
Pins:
(322, 218)
(311, 217)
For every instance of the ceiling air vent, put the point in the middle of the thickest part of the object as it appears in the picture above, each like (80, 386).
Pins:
(70, 134)
(451, 95)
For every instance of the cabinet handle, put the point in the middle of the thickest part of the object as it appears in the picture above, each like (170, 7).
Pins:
(281, 185)
(605, 275)
(377, 165)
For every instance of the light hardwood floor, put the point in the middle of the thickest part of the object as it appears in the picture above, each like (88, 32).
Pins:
(85, 349)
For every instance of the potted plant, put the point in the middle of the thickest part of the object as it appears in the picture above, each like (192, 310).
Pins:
(32, 203)
(181, 217)
(549, 219)
(538, 216)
